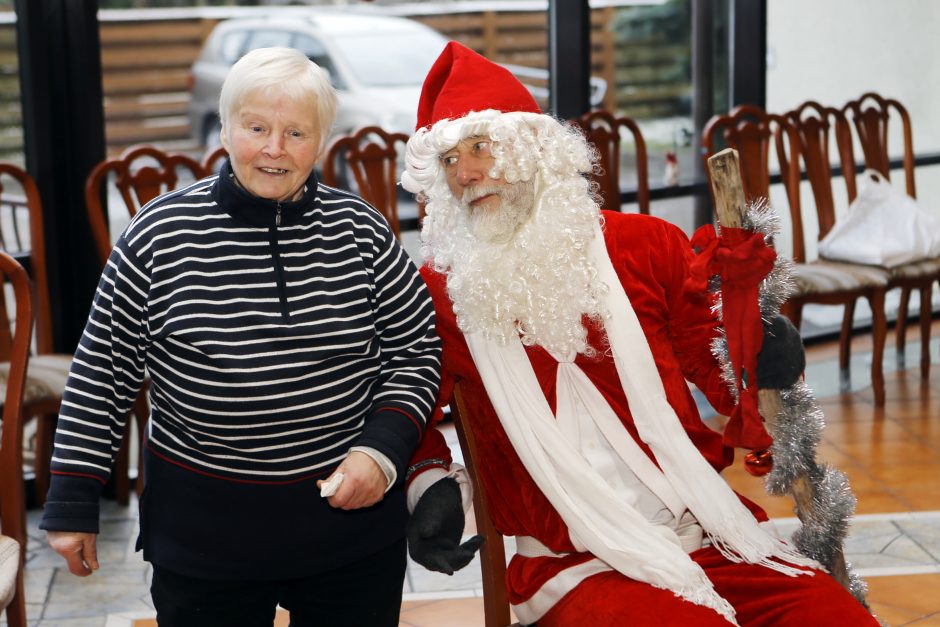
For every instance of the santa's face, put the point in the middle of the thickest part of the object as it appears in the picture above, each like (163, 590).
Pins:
(511, 228)
(496, 208)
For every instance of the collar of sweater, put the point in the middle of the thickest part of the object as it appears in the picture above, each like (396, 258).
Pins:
(256, 211)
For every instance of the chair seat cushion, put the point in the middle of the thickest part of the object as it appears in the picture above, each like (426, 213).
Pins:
(9, 566)
(828, 277)
(45, 377)
(916, 269)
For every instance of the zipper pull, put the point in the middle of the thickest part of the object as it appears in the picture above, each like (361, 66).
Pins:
(277, 219)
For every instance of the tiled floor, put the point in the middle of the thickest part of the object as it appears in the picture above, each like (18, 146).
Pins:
(891, 456)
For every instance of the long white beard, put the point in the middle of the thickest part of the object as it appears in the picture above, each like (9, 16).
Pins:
(498, 226)
(536, 283)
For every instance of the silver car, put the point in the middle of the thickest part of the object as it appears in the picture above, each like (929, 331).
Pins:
(377, 64)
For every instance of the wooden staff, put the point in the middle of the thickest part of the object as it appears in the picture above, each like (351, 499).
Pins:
(728, 191)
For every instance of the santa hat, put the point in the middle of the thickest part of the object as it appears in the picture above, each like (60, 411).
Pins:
(461, 81)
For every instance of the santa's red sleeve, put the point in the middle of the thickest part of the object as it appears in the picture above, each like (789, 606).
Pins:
(693, 325)
(432, 460)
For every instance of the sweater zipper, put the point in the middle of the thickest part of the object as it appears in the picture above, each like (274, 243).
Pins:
(278, 267)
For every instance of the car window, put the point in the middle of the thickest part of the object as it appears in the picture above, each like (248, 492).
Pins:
(393, 59)
(269, 38)
(231, 46)
(315, 51)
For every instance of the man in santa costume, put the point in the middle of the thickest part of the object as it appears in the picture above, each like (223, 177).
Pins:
(572, 338)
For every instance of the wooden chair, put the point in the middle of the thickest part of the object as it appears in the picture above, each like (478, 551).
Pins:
(492, 553)
(15, 350)
(752, 131)
(212, 160)
(367, 162)
(603, 130)
(870, 115)
(21, 234)
(139, 174)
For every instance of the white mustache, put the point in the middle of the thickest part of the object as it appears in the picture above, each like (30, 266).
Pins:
(474, 193)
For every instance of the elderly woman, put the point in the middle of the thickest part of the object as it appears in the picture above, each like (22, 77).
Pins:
(289, 340)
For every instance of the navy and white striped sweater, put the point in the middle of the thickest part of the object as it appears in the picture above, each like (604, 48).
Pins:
(276, 336)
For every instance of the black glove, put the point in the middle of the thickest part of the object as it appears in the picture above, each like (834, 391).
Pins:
(781, 359)
(435, 527)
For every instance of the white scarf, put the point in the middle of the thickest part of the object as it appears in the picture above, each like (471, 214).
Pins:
(597, 520)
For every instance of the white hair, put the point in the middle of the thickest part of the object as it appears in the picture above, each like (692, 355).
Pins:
(284, 71)
(540, 284)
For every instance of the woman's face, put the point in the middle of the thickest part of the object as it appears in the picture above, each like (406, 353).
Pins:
(272, 143)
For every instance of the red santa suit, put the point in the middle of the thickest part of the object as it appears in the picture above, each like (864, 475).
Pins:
(651, 259)
(567, 464)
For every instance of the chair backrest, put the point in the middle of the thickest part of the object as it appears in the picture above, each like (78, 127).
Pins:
(21, 235)
(367, 162)
(752, 132)
(870, 114)
(12, 497)
(212, 160)
(140, 174)
(492, 553)
(603, 129)
(819, 128)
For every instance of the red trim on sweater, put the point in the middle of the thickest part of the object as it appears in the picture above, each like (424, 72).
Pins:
(80, 474)
(229, 479)
(416, 422)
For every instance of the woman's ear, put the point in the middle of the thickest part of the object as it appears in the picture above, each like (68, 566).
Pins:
(223, 137)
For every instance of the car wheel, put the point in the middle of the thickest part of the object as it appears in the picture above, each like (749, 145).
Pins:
(344, 174)
(212, 140)
(345, 179)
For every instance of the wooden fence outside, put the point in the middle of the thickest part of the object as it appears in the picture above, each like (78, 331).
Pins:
(11, 133)
(146, 65)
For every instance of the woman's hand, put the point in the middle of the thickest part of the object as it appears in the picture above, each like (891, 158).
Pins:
(364, 483)
(79, 550)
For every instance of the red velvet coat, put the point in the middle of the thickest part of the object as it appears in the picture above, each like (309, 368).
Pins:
(651, 258)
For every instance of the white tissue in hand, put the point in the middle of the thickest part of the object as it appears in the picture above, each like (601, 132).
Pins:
(331, 485)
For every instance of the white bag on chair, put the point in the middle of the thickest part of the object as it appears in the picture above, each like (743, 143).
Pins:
(9, 565)
(883, 227)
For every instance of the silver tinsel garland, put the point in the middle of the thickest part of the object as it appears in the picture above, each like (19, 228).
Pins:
(796, 430)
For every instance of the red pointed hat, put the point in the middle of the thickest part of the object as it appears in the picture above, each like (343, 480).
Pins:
(461, 81)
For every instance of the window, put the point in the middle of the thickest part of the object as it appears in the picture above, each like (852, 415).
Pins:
(268, 39)
(11, 130)
(232, 45)
(372, 64)
(644, 52)
(315, 51)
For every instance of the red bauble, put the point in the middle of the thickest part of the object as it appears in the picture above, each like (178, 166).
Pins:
(759, 463)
